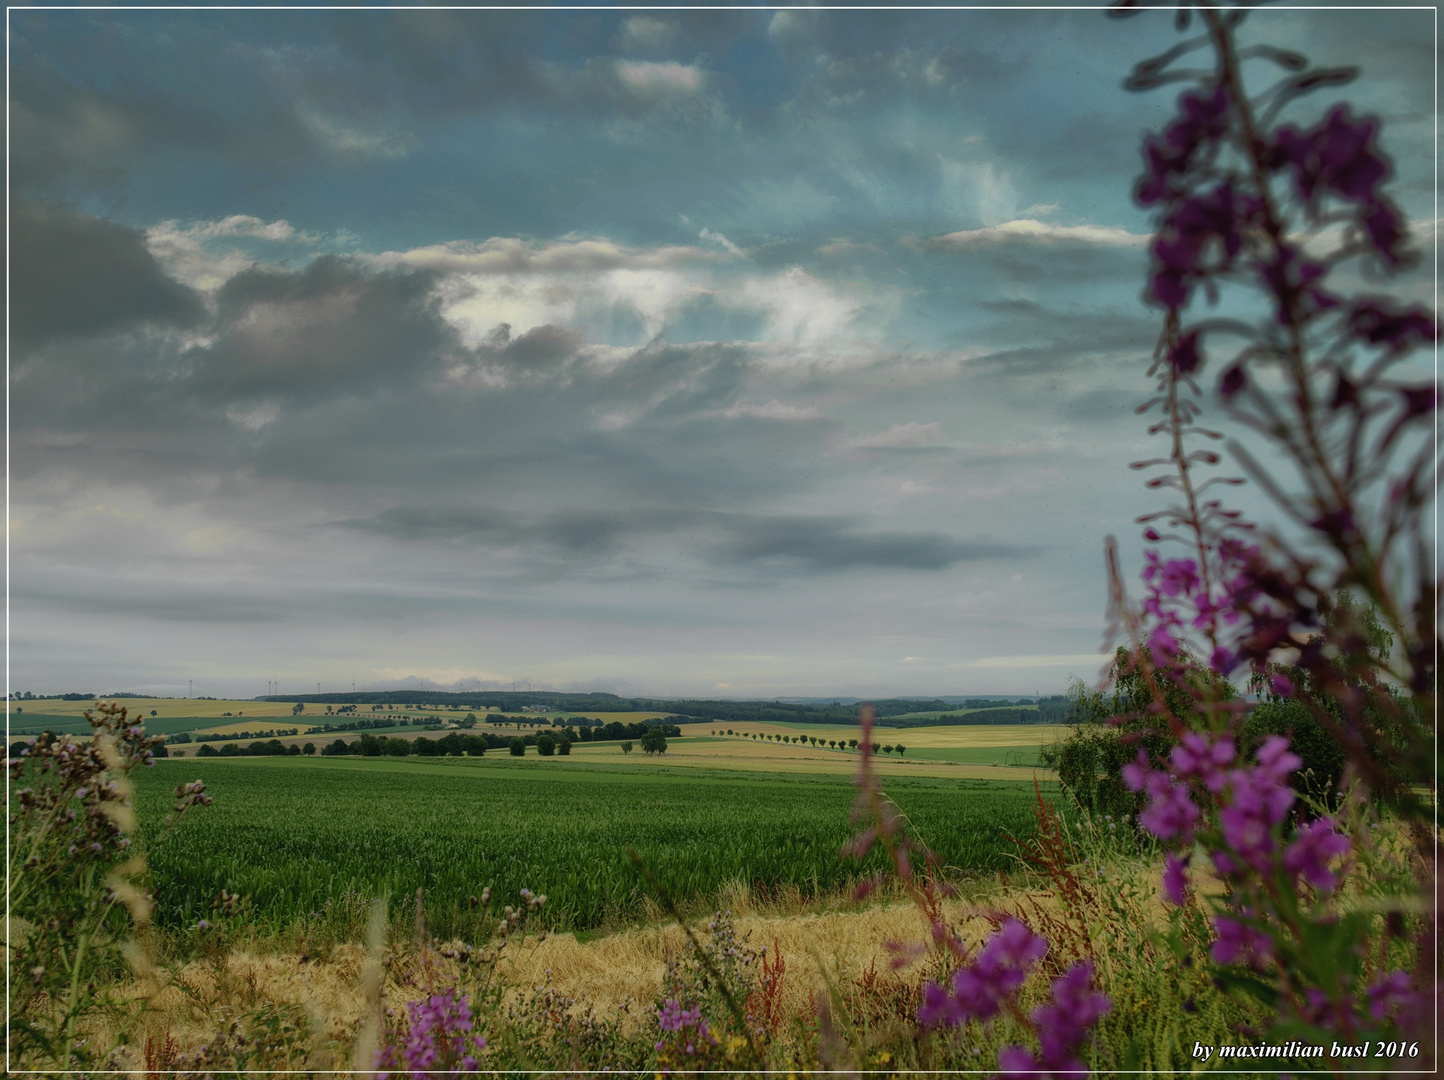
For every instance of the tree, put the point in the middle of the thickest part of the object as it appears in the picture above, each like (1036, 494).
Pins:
(654, 742)
(899, 748)
(546, 746)
(309, 749)
(627, 746)
(1091, 758)
(852, 744)
(152, 712)
(517, 747)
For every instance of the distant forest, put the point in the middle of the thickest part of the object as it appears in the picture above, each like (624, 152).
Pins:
(893, 712)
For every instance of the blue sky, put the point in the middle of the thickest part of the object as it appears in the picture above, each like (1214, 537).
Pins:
(747, 353)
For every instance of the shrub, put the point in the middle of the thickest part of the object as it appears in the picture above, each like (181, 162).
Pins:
(76, 887)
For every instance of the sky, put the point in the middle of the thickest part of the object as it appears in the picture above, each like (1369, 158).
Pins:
(743, 353)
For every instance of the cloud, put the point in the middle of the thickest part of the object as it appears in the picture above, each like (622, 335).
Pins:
(908, 436)
(1068, 660)
(513, 255)
(76, 276)
(708, 234)
(772, 410)
(643, 33)
(826, 544)
(1032, 231)
(206, 254)
(336, 327)
(668, 77)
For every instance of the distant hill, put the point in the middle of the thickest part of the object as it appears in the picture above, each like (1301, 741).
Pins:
(819, 711)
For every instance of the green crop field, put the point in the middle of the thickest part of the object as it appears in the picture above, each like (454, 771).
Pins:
(292, 834)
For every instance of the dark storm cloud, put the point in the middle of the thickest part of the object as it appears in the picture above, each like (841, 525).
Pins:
(828, 544)
(815, 544)
(334, 328)
(77, 276)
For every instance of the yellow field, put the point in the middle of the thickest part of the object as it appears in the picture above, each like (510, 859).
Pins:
(749, 756)
(247, 724)
(608, 717)
(943, 736)
(167, 707)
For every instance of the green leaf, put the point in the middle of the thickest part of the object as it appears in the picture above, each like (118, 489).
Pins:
(1249, 984)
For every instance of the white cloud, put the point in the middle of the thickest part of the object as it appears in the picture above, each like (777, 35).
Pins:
(800, 307)
(253, 417)
(1030, 230)
(345, 137)
(773, 410)
(708, 234)
(642, 33)
(205, 254)
(902, 436)
(666, 77)
(510, 255)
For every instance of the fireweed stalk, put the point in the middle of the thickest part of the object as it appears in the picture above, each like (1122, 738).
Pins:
(983, 985)
(1249, 206)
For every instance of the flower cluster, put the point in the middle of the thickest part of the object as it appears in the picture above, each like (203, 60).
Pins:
(982, 989)
(687, 1041)
(1253, 804)
(1340, 156)
(439, 1039)
(1062, 1026)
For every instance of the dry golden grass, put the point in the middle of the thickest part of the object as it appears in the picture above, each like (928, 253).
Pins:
(623, 969)
(748, 756)
(961, 735)
(165, 707)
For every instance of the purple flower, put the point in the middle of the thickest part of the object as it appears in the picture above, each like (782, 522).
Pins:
(1076, 1008)
(1171, 813)
(1015, 1061)
(1337, 156)
(1238, 942)
(1232, 382)
(1175, 879)
(438, 1038)
(978, 991)
(1186, 356)
(671, 1017)
(1296, 282)
(1207, 758)
(1202, 121)
(1308, 856)
(1378, 322)
(1385, 231)
(1163, 645)
(1061, 1025)
(1395, 993)
(1213, 222)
